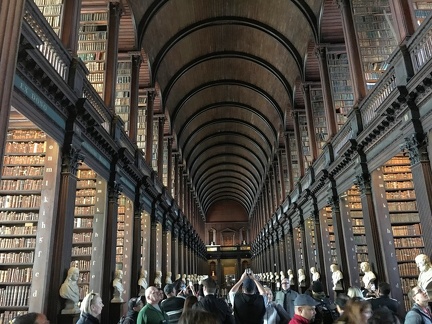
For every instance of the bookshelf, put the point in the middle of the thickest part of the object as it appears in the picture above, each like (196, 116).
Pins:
(83, 226)
(319, 118)
(123, 90)
(404, 219)
(326, 214)
(154, 162)
(165, 163)
(311, 243)
(299, 256)
(295, 169)
(92, 45)
(305, 141)
(422, 10)
(22, 186)
(341, 84)
(141, 128)
(354, 208)
(375, 37)
(52, 10)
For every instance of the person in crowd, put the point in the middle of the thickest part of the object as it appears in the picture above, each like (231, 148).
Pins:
(325, 311)
(31, 318)
(285, 297)
(420, 312)
(151, 313)
(134, 306)
(304, 309)
(91, 308)
(180, 288)
(190, 301)
(354, 292)
(274, 312)
(357, 311)
(249, 307)
(384, 299)
(383, 315)
(214, 305)
(341, 301)
(69, 290)
(173, 305)
(198, 316)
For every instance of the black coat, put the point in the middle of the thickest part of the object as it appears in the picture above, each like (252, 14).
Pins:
(87, 319)
(218, 307)
(382, 301)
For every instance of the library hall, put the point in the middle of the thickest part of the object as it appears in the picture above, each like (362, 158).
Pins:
(183, 144)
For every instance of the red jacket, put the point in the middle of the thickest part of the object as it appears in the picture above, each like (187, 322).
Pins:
(297, 319)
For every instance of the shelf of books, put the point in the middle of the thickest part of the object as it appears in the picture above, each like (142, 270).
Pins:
(294, 159)
(22, 186)
(85, 201)
(165, 163)
(141, 128)
(341, 84)
(422, 9)
(298, 245)
(355, 213)
(154, 162)
(52, 10)
(305, 141)
(311, 242)
(319, 118)
(92, 46)
(404, 218)
(123, 89)
(376, 40)
(328, 236)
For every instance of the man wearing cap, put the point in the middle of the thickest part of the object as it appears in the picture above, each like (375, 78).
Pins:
(173, 305)
(286, 297)
(249, 307)
(304, 309)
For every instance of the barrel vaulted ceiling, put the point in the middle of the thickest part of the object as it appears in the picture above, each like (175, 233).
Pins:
(229, 74)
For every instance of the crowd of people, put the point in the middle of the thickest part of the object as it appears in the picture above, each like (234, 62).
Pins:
(250, 301)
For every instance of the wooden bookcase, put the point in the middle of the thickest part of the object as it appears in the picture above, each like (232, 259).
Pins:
(422, 9)
(404, 218)
(319, 118)
(341, 84)
(165, 171)
(123, 89)
(29, 163)
(295, 169)
(376, 40)
(92, 46)
(83, 226)
(141, 128)
(154, 162)
(305, 140)
(326, 215)
(52, 10)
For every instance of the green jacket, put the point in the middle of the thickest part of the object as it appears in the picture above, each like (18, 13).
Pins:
(150, 315)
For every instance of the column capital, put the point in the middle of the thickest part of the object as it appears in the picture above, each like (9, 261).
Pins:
(416, 146)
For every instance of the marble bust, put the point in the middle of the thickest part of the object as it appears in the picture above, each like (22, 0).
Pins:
(315, 274)
(69, 290)
(290, 277)
(368, 277)
(142, 282)
(337, 277)
(301, 278)
(118, 287)
(425, 276)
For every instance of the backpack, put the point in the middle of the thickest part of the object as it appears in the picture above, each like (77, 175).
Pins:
(123, 319)
(326, 312)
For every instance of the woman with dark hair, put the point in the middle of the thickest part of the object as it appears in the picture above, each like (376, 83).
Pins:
(193, 316)
(189, 302)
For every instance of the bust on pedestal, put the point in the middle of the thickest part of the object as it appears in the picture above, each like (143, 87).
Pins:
(158, 279)
(142, 282)
(425, 276)
(290, 274)
(69, 290)
(369, 277)
(337, 277)
(301, 278)
(168, 279)
(315, 274)
(118, 287)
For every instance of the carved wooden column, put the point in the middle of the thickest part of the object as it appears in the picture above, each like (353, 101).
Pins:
(310, 122)
(11, 13)
(353, 51)
(282, 250)
(112, 55)
(70, 25)
(275, 182)
(149, 126)
(133, 115)
(136, 245)
(114, 190)
(333, 201)
(330, 113)
(160, 157)
(403, 19)
(416, 145)
(175, 251)
(176, 177)
(64, 223)
(170, 185)
(291, 250)
(324, 270)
